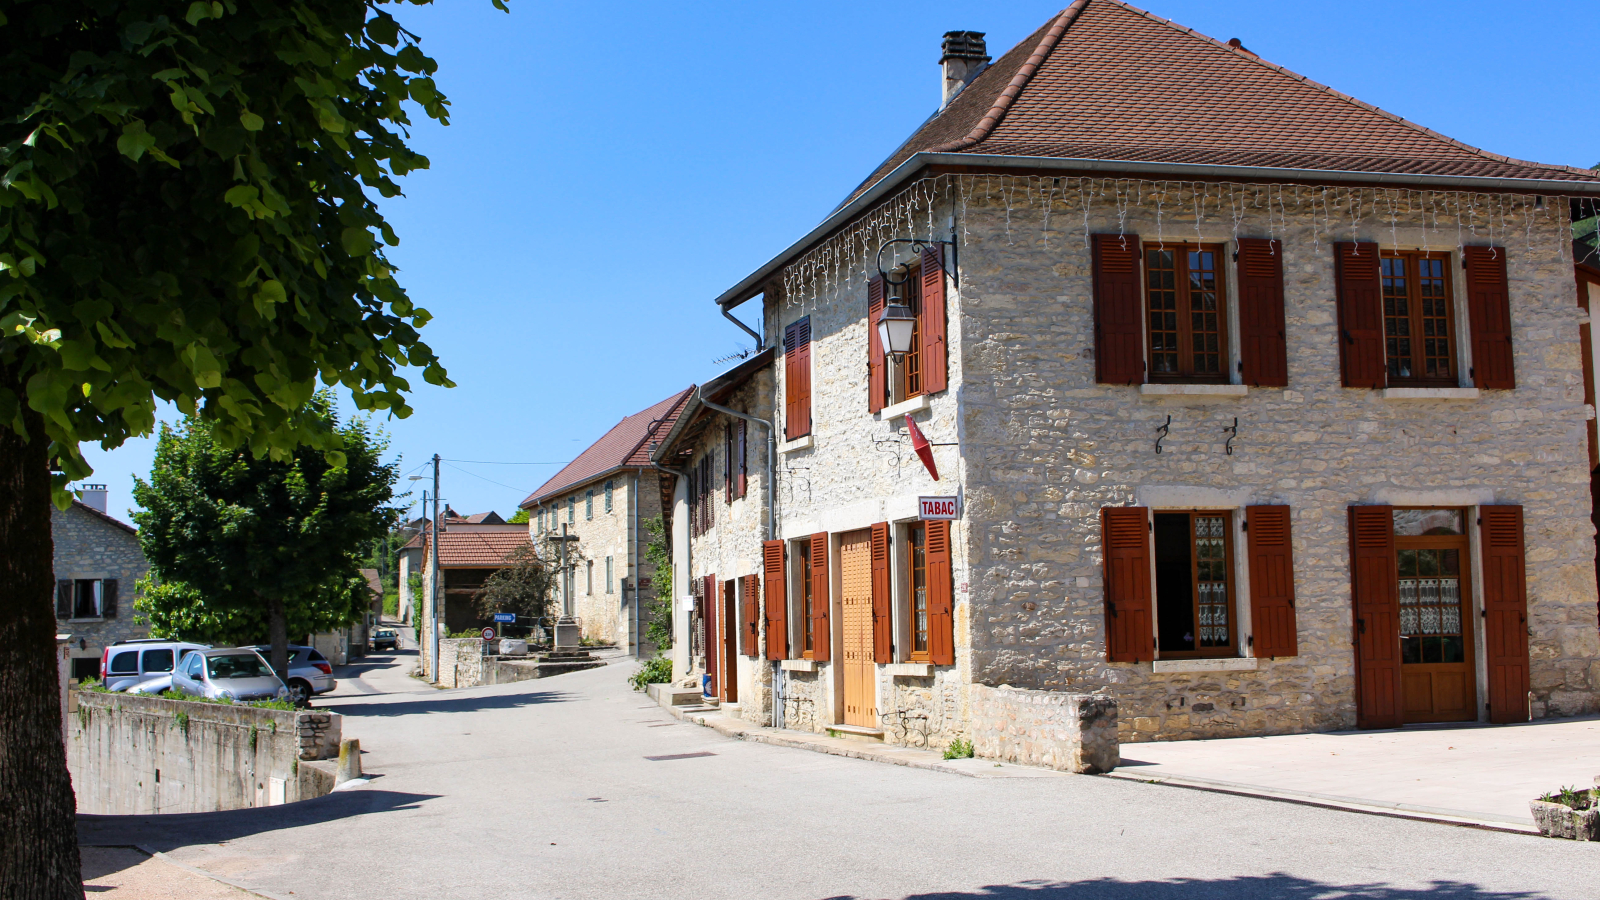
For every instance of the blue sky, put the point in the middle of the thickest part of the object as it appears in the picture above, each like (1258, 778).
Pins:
(612, 167)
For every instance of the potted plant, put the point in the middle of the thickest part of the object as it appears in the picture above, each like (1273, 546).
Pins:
(1568, 813)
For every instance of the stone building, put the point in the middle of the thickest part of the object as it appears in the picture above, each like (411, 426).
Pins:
(469, 552)
(720, 519)
(603, 498)
(1259, 409)
(97, 563)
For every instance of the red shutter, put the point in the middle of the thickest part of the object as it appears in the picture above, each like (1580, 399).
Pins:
(777, 598)
(1118, 310)
(1125, 531)
(1272, 621)
(941, 595)
(1360, 294)
(727, 463)
(712, 600)
(1375, 584)
(1263, 350)
(750, 610)
(797, 379)
(882, 620)
(877, 384)
(935, 348)
(744, 458)
(1489, 316)
(821, 635)
(1505, 613)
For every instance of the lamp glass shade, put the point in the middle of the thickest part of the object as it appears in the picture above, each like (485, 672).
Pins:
(895, 328)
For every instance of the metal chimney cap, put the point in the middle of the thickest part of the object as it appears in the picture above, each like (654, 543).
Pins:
(964, 45)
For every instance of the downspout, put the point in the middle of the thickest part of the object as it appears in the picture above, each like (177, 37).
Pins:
(772, 511)
(760, 344)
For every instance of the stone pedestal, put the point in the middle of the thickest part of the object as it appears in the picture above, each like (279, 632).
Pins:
(568, 633)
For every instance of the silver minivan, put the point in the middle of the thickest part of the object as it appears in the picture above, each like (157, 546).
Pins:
(237, 674)
(127, 664)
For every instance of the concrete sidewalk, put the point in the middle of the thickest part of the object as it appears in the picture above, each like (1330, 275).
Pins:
(1478, 775)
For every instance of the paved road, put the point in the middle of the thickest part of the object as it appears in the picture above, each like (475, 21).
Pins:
(543, 789)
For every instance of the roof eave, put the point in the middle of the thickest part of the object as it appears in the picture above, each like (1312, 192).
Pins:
(535, 500)
(902, 173)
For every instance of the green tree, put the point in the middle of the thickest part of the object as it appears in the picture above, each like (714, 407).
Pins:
(658, 614)
(247, 549)
(526, 585)
(187, 213)
(520, 517)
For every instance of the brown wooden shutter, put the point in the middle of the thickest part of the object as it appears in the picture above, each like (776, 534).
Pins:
(877, 384)
(1263, 347)
(63, 599)
(744, 458)
(941, 595)
(1360, 294)
(1126, 533)
(711, 493)
(1505, 613)
(727, 462)
(797, 379)
(821, 635)
(933, 326)
(712, 600)
(882, 619)
(1118, 310)
(1489, 317)
(777, 605)
(750, 609)
(1272, 620)
(1375, 584)
(108, 598)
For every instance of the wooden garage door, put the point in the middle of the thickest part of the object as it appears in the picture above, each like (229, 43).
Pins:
(855, 573)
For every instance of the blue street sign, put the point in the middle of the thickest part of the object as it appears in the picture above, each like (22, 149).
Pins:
(505, 617)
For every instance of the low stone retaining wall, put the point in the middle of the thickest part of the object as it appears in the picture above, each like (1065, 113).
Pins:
(1069, 732)
(131, 754)
(463, 664)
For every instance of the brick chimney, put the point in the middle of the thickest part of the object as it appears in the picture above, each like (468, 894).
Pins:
(964, 56)
(93, 496)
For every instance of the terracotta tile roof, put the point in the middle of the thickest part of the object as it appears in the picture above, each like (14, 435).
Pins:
(484, 518)
(374, 581)
(626, 445)
(479, 548)
(1107, 81)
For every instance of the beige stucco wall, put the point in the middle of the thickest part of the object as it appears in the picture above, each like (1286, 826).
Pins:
(1044, 448)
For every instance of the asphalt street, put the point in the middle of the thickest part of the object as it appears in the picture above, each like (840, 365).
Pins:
(548, 789)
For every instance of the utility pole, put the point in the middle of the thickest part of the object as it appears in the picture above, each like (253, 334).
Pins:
(433, 586)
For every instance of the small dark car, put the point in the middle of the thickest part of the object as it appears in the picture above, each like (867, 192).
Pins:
(386, 639)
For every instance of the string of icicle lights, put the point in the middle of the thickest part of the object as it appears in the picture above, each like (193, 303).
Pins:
(842, 264)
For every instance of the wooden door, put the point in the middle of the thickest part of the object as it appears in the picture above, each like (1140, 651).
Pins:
(730, 642)
(1437, 677)
(855, 572)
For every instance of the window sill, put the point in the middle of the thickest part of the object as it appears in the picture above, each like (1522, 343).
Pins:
(1428, 393)
(910, 669)
(919, 403)
(798, 665)
(1218, 391)
(804, 443)
(1226, 664)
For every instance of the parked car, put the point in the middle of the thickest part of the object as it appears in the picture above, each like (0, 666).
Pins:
(236, 674)
(386, 639)
(127, 664)
(310, 673)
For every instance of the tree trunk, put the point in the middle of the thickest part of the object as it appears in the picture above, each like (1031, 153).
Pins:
(38, 825)
(278, 635)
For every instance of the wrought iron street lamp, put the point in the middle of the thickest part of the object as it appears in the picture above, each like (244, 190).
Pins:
(897, 323)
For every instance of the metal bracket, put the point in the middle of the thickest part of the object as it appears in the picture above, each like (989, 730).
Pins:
(917, 246)
(1165, 431)
(1233, 433)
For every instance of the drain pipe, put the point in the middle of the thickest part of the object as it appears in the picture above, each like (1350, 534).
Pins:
(772, 510)
(760, 344)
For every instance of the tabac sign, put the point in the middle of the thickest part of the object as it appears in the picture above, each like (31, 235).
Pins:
(936, 507)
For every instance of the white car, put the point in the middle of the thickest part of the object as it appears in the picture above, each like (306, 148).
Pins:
(128, 664)
(237, 674)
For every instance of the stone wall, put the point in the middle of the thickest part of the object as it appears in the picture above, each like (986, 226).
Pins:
(1069, 732)
(87, 545)
(460, 662)
(1043, 448)
(134, 755)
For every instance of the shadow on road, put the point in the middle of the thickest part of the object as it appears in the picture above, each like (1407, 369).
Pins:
(170, 831)
(444, 703)
(1277, 886)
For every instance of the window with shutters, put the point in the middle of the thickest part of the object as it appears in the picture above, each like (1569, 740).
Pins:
(905, 376)
(1418, 321)
(797, 379)
(87, 594)
(610, 588)
(609, 487)
(588, 574)
(807, 641)
(1194, 584)
(572, 509)
(588, 504)
(917, 582)
(741, 452)
(1186, 315)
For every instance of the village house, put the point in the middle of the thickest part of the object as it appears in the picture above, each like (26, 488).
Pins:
(471, 548)
(98, 562)
(1257, 409)
(719, 450)
(603, 498)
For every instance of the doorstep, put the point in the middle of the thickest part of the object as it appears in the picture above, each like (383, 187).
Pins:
(873, 751)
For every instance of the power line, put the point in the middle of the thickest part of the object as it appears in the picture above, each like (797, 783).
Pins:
(490, 480)
(485, 462)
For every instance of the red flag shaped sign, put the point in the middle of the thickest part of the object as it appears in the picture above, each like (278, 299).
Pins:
(923, 448)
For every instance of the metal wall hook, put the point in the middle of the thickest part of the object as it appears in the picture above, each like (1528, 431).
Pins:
(1165, 430)
(1233, 433)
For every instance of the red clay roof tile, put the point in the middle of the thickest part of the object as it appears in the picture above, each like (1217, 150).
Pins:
(626, 445)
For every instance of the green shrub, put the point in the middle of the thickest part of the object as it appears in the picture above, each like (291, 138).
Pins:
(958, 749)
(175, 694)
(1573, 798)
(655, 671)
(93, 685)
